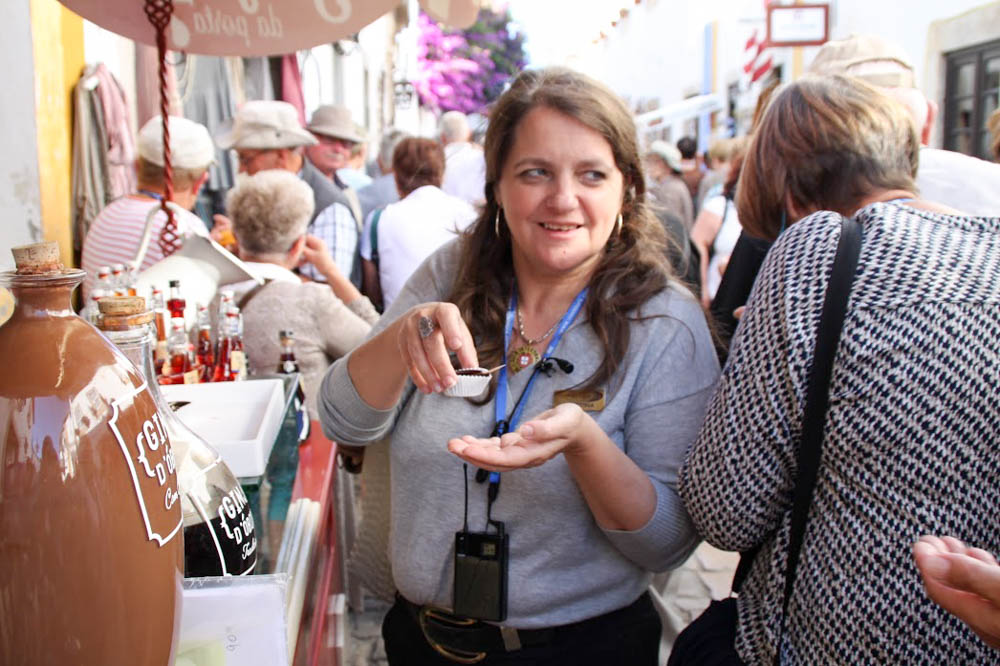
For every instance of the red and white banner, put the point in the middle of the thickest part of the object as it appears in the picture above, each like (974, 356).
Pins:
(758, 56)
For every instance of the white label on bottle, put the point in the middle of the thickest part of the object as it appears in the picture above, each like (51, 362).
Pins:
(288, 367)
(161, 350)
(151, 462)
(191, 376)
(237, 360)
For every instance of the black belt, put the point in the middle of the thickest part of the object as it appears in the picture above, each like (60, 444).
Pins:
(468, 641)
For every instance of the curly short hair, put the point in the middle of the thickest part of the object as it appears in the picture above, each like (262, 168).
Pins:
(826, 142)
(269, 210)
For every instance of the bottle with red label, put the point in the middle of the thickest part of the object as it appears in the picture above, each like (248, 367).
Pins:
(204, 350)
(229, 359)
(179, 368)
(219, 533)
(91, 554)
(176, 303)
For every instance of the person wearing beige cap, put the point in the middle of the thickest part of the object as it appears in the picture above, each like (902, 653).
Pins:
(267, 135)
(663, 166)
(115, 234)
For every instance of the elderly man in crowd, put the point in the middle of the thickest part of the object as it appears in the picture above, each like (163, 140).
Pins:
(267, 135)
(382, 191)
(338, 139)
(663, 163)
(116, 232)
(465, 166)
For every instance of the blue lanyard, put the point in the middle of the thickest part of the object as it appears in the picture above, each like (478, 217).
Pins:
(500, 402)
(154, 195)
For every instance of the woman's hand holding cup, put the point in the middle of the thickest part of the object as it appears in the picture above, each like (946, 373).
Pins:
(427, 334)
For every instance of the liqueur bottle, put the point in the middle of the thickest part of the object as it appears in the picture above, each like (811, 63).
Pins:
(178, 369)
(204, 351)
(219, 534)
(118, 286)
(230, 362)
(160, 319)
(176, 303)
(91, 554)
(288, 365)
(238, 359)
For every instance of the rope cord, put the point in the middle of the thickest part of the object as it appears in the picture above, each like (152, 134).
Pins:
(159, 12)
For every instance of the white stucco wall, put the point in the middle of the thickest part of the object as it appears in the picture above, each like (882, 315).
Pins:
(20, 197)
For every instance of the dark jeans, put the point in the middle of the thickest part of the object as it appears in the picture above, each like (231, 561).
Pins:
(629, 637)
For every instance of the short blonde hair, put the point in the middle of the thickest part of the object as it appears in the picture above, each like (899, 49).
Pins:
(826, 142)
(269, 210)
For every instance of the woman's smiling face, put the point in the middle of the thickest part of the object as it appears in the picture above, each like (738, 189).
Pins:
(561, 193)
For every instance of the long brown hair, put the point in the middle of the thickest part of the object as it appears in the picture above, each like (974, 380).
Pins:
(633, 267)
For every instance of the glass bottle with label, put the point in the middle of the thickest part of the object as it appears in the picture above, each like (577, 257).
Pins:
(176, 303)
(219, 534)
(223, 359)
(178, 369)
(118, 280)
(91, 557)
(159, 308)
(204, 351)
(288, 365)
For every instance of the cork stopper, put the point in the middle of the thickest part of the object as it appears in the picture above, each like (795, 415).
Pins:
(122, 305)
(37, 258)
(120, 313)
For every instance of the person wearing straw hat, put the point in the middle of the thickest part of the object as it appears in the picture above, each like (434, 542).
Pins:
(117, 231)
(267, 135)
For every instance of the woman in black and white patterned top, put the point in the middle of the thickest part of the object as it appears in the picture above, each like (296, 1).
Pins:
(910, 444)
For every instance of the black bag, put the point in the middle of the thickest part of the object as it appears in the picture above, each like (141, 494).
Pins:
(710, 639)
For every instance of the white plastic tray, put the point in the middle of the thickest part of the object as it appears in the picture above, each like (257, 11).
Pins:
(240, 419)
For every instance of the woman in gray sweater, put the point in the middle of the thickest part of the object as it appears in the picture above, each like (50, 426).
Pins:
(542, 556)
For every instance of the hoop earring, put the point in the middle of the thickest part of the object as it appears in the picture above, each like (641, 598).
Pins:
(619, 223)
(496, 223)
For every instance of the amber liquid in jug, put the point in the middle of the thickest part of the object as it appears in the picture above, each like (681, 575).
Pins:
(90, 518)
(219, 534)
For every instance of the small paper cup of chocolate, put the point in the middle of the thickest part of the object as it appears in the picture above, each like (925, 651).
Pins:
(472, 382)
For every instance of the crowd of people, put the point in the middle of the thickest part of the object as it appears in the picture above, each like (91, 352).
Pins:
(650, 327)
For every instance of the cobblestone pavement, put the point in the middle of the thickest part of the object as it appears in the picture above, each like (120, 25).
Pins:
(364, 643)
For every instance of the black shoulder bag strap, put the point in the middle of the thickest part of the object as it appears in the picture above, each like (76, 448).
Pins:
(810, 450)
(838, 291)
(374, 236)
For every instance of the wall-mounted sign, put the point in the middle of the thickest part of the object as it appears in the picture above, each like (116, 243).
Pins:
(257, 27)
(798, 25)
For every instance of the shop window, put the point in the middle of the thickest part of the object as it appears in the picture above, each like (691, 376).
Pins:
(972, 93)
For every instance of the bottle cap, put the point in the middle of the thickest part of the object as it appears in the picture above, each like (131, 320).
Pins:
(175, 283)
(37, 258)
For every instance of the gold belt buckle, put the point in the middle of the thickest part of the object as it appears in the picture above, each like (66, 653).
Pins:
(460, 656)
